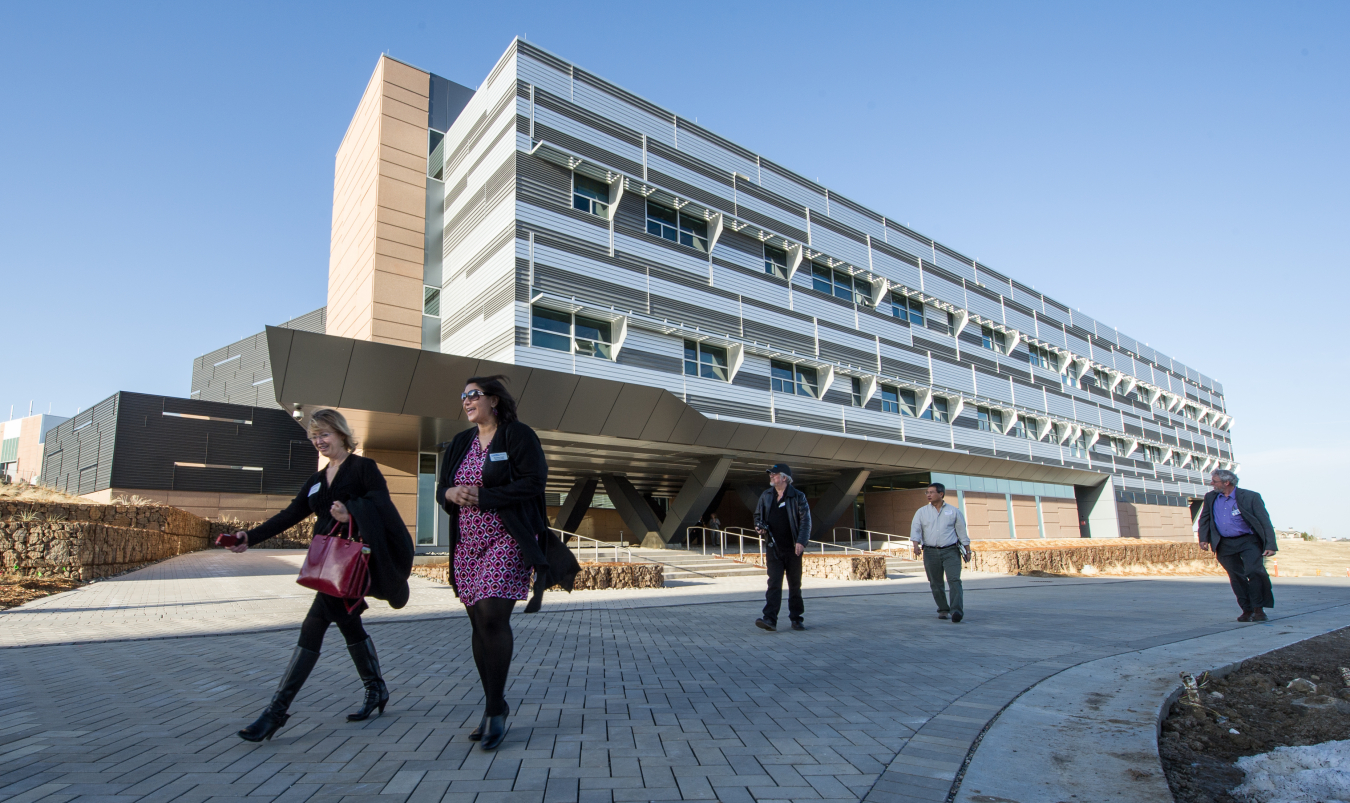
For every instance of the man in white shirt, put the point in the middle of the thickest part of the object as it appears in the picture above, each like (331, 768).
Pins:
(939, 534)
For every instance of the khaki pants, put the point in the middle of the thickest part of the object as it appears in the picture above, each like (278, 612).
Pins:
(938, 561)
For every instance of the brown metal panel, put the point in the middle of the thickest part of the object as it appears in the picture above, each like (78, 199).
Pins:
(716, 433)
(631, 411)
(436, 384)
(802, 443)
(686, 430)
(278, 354)
(664, 417)
(317, 369)
(775, 441)
(747, 437)
(872, 452)
(378, 377)
(589, 406)
(545, 397)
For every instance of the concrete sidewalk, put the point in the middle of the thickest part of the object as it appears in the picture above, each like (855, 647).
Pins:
(1090, 732)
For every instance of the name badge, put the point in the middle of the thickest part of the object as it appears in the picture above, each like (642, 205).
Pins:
(497, 457)
(1235, 512)
(782, 504)
(314, 490)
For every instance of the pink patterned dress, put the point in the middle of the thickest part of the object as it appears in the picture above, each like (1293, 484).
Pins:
(487, 558)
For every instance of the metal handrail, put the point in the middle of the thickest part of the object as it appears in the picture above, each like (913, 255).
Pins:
(743, 533)
(564, 534)
(887, 538)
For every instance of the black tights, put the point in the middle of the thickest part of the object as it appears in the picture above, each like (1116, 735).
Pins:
(328, 610)
(493, 643)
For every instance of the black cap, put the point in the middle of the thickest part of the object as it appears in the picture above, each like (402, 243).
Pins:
(781, 468)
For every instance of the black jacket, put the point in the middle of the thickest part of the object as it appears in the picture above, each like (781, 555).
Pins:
(360, 486)
(514, 487)
(799, 512)
(1253, 510)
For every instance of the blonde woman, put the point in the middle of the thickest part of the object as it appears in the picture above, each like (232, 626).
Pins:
(348, 486)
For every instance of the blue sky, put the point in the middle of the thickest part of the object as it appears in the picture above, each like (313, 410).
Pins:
(1177, 170)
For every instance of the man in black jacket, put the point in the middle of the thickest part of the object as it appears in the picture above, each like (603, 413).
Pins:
(1234, 523)
(783, 520)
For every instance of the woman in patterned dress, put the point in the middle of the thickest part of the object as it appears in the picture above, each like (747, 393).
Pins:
(492, 485)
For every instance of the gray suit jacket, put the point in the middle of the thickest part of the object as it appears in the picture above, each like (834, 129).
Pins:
(1253, 512)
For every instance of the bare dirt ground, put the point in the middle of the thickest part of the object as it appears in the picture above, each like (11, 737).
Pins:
(1254, 710)
(15, 591)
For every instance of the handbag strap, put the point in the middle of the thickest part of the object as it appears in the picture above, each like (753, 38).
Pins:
(351, 529)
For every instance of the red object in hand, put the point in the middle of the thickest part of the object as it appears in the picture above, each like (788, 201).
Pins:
(228, 539)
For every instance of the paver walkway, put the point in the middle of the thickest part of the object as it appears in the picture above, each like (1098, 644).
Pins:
(655, 695)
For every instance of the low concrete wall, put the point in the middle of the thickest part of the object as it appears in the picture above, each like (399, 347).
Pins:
(833, 567)
(1089, 556)
(591, 576)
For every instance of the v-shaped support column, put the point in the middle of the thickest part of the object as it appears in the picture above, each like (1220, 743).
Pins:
(694, 497)
(632, 508)
(837, 498)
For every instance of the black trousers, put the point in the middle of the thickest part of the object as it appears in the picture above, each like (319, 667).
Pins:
(780, 565)
(328, 610)
(1241, 558)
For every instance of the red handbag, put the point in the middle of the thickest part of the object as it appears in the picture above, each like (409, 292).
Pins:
(338, 566)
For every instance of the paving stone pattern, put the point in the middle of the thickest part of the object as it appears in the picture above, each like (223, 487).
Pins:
(686, 701)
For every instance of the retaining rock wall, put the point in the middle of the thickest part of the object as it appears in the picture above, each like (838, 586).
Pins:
(139, 517)
(832, 567)
(86, 550)
(297, 537)
(1093, 556)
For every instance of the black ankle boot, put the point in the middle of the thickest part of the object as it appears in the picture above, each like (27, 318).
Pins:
(274, 716)
(368, 667)
(477, 733)
(495, 730)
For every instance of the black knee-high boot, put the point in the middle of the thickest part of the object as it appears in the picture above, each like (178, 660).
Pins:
(274, 716)
(368, 667)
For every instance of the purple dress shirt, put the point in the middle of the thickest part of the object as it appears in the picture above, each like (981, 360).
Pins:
(1227, 517)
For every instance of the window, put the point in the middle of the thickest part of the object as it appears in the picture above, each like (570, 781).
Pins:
(1151, 453)
(989, 420)
(799, 380)
(993, 339)
(1120, 447)
(1024, 428)
(890, 399)
(1160, 401)
(937, 410)
(1190, 412)
(591, 196)
(562, 331)
(1072, 378)
(907, 309)
(951, 324)
(709, 362)
(1044, 357)
(677, 227)
(853, 289)
(1102, 378)
(431, 300)
(1078, 446)
(857, 396)
(775, 261)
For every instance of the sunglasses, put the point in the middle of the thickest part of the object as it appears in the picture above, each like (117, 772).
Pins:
(472, 394)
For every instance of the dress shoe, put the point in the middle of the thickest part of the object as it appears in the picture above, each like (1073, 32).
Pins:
(957, 616)
(1245, 617)
(495, 732)
(1259, 615)
(944, 615)
(763, 624)
(798, 626)
(477, 733)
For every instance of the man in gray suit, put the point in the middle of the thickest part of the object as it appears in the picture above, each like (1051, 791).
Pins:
(1234, 523)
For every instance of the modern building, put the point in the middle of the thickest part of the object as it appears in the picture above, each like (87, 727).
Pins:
(240, 372)
(21, 444)
(212, 459)
(677, 312)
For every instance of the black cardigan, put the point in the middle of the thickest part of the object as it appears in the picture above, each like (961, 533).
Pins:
(513, 487)
(390, 545)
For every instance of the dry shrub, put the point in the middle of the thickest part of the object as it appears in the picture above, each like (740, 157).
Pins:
(23, 491)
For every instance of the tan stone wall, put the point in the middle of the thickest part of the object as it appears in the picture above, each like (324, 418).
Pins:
(1155, 521)
(91, 541)
(893, 511)
(142, 517)
(379, 212)
(400, 472)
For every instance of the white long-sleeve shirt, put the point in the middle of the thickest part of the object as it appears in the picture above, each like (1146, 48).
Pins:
(939, 527)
